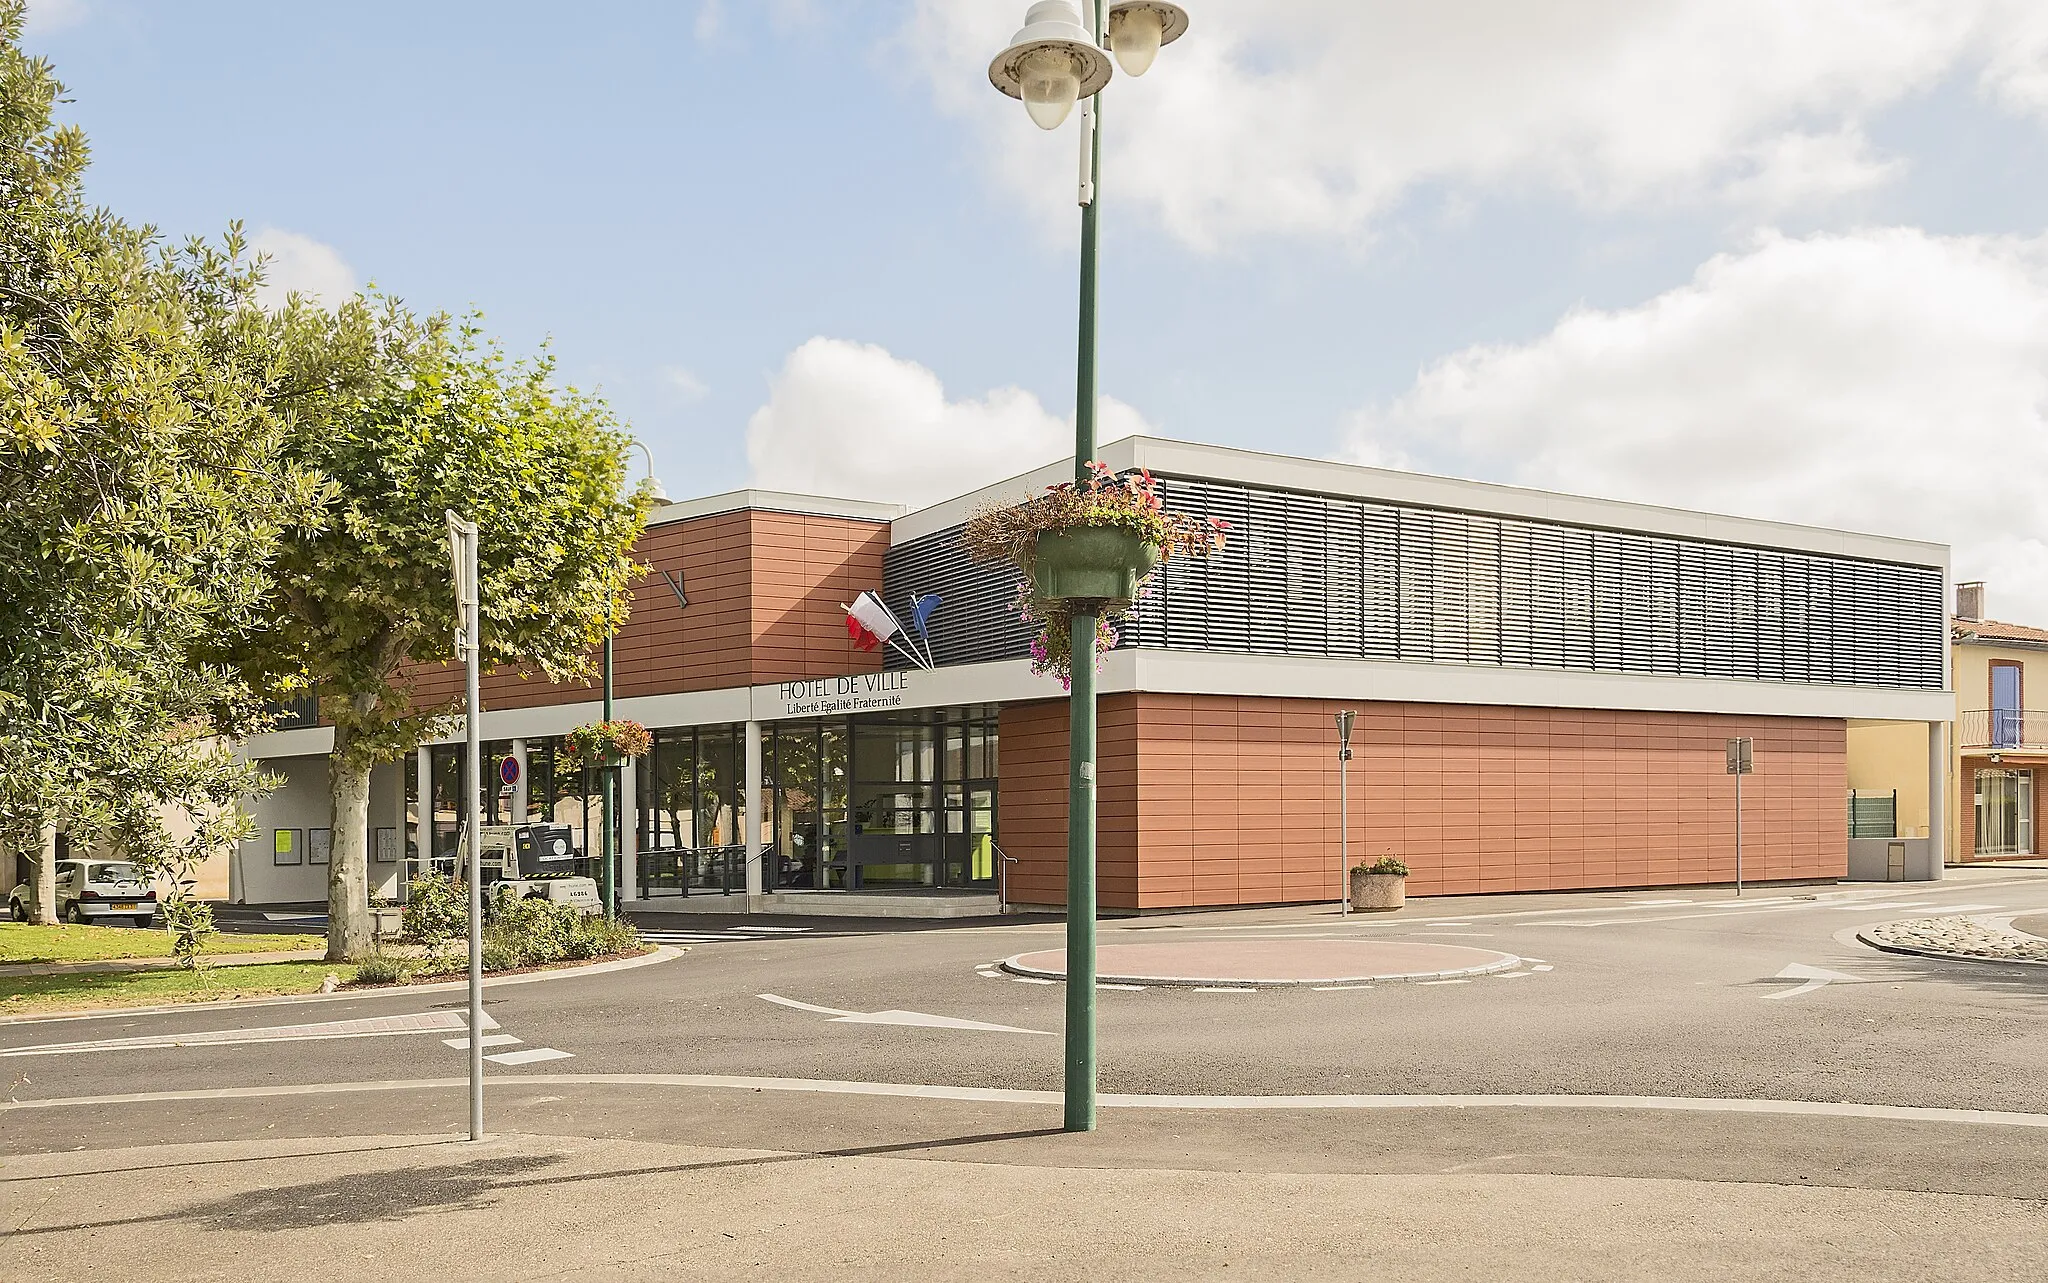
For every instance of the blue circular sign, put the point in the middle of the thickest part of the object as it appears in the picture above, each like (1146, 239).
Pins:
(508, 770)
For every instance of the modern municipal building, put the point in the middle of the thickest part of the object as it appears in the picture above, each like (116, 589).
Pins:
(1544, 687)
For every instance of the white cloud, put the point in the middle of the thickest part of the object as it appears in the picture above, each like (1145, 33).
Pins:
(1318, 116)
(1889, 381)
(298, 263)
(851, 420)
(683, 384)
(710, 21)
(45, 16)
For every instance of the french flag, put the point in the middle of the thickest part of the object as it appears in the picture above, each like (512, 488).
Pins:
(870, 623)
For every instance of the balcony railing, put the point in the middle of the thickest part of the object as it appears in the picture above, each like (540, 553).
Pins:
(2000, 728)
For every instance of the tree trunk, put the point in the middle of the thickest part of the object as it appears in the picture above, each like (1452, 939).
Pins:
(348, 866)
(46, 876)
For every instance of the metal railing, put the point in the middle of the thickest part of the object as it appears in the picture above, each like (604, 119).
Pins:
(683, 870)
(1873, 814)
(2003, 728)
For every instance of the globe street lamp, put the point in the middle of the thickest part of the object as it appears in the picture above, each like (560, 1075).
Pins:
(1052, 63)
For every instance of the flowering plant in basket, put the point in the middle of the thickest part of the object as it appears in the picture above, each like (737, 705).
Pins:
(1086, 547)
(603, 743)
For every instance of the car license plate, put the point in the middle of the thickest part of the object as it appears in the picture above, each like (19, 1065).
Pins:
(124, 908)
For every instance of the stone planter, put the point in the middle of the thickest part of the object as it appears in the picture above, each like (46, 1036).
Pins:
(386, 924)
(1092, 563)
(1377, 892)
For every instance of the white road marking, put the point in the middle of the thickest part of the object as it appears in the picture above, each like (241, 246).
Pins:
(1815, 978)
(1527, 958)
(1444, 982)
(1542, 967)
(990, 975)
(1880, 904)
(913, 1019)
(530, 1055)
(1123, 988)
(1015, 1096)
(490, 1040)
(1445, 922)
(1339, 988)
(774, 930)
(1223, 989)
(1462, 935)
(1513, 975)
(1032, 980)
(426, 1022)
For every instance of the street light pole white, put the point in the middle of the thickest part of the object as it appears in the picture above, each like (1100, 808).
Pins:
(469, 638)
(1344, 810)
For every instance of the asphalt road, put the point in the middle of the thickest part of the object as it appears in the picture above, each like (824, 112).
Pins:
(1656, 994)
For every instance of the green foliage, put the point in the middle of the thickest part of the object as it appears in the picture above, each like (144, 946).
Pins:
(539, 932)
(190, 922)
(1387, 864)
(602, 743)
(383, 969)
(436, 912)
(145, 495)
(1105, 500)
(500, 954)
(405, 419)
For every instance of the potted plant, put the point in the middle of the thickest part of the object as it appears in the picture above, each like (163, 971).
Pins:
(1086, 548)
(612, 743)
(1379, 886)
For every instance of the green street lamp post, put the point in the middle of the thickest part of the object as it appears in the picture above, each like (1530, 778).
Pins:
(1052, 63)
(610, 771)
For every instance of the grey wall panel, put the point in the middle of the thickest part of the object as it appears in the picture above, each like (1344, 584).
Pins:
(1306, 574)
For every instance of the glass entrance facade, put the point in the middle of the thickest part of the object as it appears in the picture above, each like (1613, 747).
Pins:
(870, 801)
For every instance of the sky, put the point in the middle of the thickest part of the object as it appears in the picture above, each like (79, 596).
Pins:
(1776, 258)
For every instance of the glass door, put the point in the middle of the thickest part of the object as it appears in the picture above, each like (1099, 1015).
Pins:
(2005, 813)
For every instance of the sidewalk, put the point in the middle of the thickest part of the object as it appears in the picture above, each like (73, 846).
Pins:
(521, 1206)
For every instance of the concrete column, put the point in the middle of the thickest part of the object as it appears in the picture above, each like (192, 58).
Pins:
(1937, 795)
(519, 789)
(753, 805)
(629, 832)
(423, 827)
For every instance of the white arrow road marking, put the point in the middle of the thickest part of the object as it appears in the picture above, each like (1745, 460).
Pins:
(1815, 978)
(914, 1019)
(528, 1055)
(426, 1022)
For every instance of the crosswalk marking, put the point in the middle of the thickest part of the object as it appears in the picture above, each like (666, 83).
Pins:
(718, 935)
(529, 1055)
(490, 1040)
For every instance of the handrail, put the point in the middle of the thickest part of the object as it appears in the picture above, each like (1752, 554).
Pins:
(1003, 862)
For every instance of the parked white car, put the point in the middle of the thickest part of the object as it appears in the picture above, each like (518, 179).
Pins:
(91, 891)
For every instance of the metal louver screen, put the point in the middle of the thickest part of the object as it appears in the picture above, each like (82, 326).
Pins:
(1306, 574)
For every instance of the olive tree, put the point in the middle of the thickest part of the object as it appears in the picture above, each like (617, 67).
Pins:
(404, 418)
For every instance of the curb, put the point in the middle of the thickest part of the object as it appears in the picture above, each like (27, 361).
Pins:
(1507, 962)
(661, 953)
(1914, 951)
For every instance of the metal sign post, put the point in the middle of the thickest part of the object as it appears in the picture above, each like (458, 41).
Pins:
(1741, 761)
(1344, 810)
(468, 641)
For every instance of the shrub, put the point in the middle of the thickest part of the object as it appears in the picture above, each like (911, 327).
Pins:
(382, 969)
(598, 937)
(436, 911)
(499, 955)
(1386, 864)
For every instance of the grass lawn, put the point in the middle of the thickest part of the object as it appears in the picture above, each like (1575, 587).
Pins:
(24, 995)
(20, 942)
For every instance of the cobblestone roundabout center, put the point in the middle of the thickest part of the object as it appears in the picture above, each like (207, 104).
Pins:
(1270, 962)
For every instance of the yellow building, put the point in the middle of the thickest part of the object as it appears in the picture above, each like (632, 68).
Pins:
(1999, 760)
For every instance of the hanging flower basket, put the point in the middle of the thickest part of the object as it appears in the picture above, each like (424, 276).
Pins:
(1103, 564)
(612, 743)
(1086, 548)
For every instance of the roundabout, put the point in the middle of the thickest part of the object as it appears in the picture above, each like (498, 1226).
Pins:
(1271, 963)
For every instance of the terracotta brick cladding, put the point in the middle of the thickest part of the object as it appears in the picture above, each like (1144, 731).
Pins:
(1213, 800)
(765, 590)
